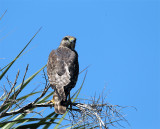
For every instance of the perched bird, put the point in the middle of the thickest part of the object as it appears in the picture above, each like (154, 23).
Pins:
(62, 71)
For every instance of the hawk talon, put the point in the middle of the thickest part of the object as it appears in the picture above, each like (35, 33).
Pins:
(51, 101)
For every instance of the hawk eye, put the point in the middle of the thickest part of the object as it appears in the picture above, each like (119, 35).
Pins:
(65, 38)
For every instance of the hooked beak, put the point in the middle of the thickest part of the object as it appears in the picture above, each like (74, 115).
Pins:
(71, 39)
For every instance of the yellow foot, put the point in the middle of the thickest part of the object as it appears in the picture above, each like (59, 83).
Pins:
(51, 101)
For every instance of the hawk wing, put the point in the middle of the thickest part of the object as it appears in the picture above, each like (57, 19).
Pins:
(57, 69)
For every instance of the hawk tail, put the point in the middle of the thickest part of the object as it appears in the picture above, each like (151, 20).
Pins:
(60, 93)
(58, 107)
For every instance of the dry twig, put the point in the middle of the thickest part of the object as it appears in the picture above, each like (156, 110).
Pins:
(97, 113)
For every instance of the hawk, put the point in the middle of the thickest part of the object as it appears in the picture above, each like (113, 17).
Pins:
(62, 71)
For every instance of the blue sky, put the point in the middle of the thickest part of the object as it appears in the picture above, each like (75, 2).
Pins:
(120, 39)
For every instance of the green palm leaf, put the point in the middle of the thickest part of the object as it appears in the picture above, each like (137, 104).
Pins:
(10, 64)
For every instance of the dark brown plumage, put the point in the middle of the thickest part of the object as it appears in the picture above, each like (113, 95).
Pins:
(62, 70)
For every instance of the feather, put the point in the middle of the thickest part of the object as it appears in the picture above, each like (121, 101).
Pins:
(62, 71)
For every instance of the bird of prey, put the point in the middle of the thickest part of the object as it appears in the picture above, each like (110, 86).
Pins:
(62, 71)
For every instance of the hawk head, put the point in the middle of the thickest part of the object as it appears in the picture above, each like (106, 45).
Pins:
(68, 41)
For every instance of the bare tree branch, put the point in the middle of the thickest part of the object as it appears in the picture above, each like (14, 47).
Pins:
(20, 89)
(7, 97)
(96, 113)
(47, 86)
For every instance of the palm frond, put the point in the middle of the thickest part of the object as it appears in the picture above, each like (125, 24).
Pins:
(10, 64)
